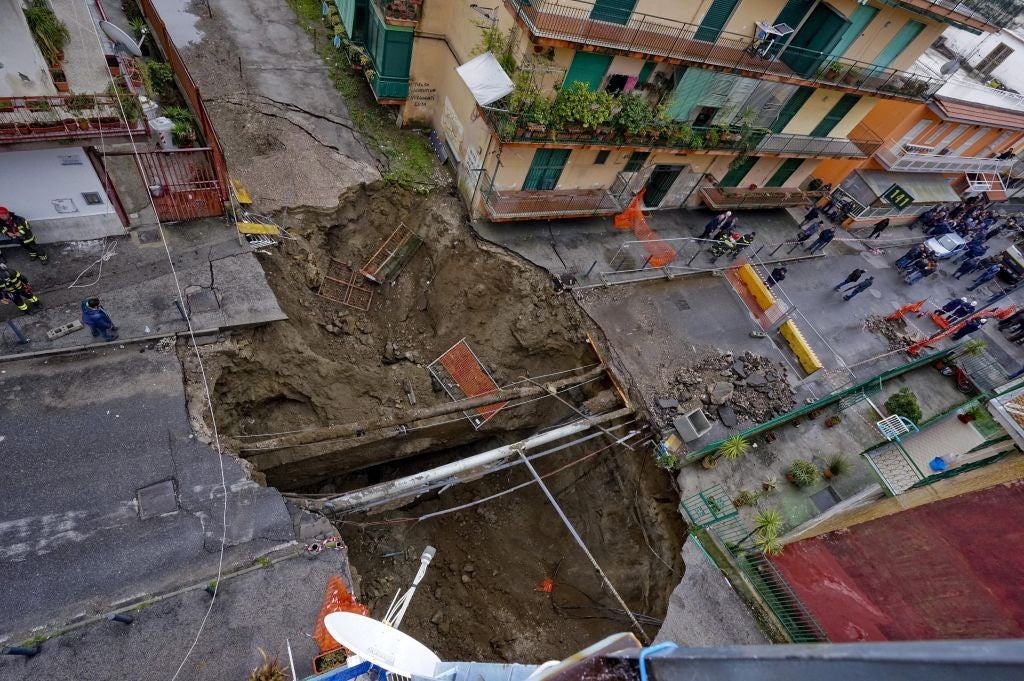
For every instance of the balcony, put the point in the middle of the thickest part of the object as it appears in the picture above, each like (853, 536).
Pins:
(387, 90)
(400, 12)
(649, 37)
(521, 129)
(726, 198)
(61, 117)
(504, 206)
(895, 158)
(981, 14)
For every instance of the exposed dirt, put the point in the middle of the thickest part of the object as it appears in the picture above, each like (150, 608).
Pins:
(483, 598)
(896, 333)
(330, 363)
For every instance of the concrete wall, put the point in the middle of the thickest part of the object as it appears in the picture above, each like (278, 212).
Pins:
(976, 47)
(46, 185)
(19, 56)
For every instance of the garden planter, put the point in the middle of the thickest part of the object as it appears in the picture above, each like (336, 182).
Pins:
(827, 474)
(709, 462)
(770, 437)
(965, 418)
(62, 86)
(814, 414)
(832, 421)
(329, 660)
(790, 478)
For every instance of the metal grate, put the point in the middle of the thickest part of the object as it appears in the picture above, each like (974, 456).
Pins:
(709, 506)
(898, 473)
(387, 262)
(342, 285)
(462, 375)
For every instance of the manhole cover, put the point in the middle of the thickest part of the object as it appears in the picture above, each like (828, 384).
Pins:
(148, 236)
(157, 500)
(681, 304)
(826, 499)
(203, 301)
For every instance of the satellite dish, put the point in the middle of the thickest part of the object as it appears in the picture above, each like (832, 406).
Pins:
(382, 646)
(950, 66)
(123, 39)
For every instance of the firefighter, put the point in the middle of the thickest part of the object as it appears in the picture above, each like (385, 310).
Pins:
(14, 287)
(724, 244)
(17, 229)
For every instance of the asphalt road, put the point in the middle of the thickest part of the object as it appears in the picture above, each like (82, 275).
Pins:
(80, 435)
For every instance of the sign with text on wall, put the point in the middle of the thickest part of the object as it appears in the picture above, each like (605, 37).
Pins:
(452, 126)
(898, 196)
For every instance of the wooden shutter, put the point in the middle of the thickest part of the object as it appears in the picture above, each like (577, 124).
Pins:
(715, 19)
(832, 118)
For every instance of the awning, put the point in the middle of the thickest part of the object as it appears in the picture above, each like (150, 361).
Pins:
(924, 187)
(485, 78)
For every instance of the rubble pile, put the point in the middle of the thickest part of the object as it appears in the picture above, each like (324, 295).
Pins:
(729, 389)
(896, 333)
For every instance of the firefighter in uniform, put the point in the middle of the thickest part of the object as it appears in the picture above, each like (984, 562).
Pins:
(14, 287)
(17, 229)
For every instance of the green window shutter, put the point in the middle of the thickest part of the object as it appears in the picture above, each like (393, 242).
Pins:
(899, 43)
(790, 108)
(646, 71)
(859, 20)
(784, 172)
(832, 118)
(793, 12)
(636, 161)
(715, 19)
(588, 68)
(546, 169)
(736, 175)
(613, 11)
(684, 98)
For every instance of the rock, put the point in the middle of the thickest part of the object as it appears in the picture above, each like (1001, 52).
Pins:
(444, 627)
(466, 578)
(728, 416)
(721, 392)
(756, 379)
(344, 325)
(470, 568)
(667, 403)
(438, 592)
(364, 325)
(437, 617)
(739, 369)
(331, 328)
(725, 374)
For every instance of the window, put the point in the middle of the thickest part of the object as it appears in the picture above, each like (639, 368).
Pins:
(616, 83)
(636, 161)
(602, 156)
(92, 198)
(705, 115)
(994, 58)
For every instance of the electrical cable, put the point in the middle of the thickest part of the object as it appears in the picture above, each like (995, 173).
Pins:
(202, 369)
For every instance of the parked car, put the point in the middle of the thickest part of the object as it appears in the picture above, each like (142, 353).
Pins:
(1012, 263)
(945, 246)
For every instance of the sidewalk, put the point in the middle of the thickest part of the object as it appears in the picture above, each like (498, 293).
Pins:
(223, 284)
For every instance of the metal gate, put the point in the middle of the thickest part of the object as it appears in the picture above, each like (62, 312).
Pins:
(182, 182)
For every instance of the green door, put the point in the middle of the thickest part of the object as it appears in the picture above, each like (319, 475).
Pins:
(545, 169)
(784, 172)
(899, 43)
(714, 21)
(588, 68)
(613, 11)
(736, 175)
(659, 183)
(859, 20)
(792, 14)
(793, 104)
(835, 114)
(816, 38)
(645, 72)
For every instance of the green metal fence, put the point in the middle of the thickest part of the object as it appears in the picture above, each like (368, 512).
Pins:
(772, 587)
(708, 507)
(868, 385)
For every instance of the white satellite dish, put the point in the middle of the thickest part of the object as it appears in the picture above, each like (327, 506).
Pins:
(123, 39)
(950, 66)
(379, 644)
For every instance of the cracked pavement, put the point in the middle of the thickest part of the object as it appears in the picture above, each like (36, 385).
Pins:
(82, 433)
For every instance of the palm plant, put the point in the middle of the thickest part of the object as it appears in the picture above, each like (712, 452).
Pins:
(270, 669)
(767, 525)
(734, 447)
(49, 32)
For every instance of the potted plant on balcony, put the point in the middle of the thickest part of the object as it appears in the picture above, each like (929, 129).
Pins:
(712, 138)
(802, 473)
(832, 71)
(49, 32)
(60, 80)
(577, 106)
(635, 116)
(852, 76)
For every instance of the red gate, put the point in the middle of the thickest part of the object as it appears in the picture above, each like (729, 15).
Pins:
(182, 182)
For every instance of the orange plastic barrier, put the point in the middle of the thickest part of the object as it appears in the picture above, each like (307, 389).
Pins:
(633, 218)
(337, 599)
(906, 309)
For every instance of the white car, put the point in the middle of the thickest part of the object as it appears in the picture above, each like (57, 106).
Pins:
(945, 246)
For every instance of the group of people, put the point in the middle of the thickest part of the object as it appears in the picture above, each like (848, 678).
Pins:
(15, 288)
(969, 219)
(723, 231)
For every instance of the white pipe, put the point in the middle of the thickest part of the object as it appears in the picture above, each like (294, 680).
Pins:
(414, 484)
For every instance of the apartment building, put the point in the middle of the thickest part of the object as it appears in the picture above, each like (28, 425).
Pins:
(693, 102)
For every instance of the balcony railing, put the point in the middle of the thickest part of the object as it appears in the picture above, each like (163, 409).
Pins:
(897, 159)
(502, 205)
(400, 12)
(977, 13)
(722, 198)
(648, 36)
(519, 128)
(386, 88)
(26, 119)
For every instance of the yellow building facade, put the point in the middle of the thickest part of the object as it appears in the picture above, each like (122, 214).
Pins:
(713, 101)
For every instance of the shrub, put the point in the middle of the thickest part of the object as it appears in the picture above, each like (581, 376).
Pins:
(270, 669)
(49, 32)
(184, 134)
(837, 465)
(745, 498)
(904, 403)
(158, 76)
(802, 473)
(635, 115)
(577, 104)
(733, 448)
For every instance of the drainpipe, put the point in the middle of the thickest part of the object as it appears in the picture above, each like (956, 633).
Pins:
(464, 470)
(480, 175)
